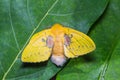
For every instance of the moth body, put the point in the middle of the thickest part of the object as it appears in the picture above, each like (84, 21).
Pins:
(58, 56)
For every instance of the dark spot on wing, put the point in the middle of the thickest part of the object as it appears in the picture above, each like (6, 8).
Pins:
(43, 40)
(82, 46)
(71, 35)
(24, 57)
(39, 53)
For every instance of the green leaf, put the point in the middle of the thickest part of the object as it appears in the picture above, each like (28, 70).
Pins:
(103, 63)
(20, 19)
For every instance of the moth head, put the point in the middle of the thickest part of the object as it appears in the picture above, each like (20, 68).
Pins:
(58, 29)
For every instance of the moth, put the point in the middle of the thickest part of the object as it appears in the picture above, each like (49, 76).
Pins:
(58, 43)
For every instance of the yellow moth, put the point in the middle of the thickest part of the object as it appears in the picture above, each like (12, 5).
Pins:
(57, 43)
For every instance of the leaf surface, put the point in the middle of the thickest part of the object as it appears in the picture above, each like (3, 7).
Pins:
(20, 19)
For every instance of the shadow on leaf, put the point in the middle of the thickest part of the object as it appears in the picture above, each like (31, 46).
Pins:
(34, 65)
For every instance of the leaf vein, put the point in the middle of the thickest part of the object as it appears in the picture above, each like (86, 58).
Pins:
(63, 14)
(11, 23)
(28, 12)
